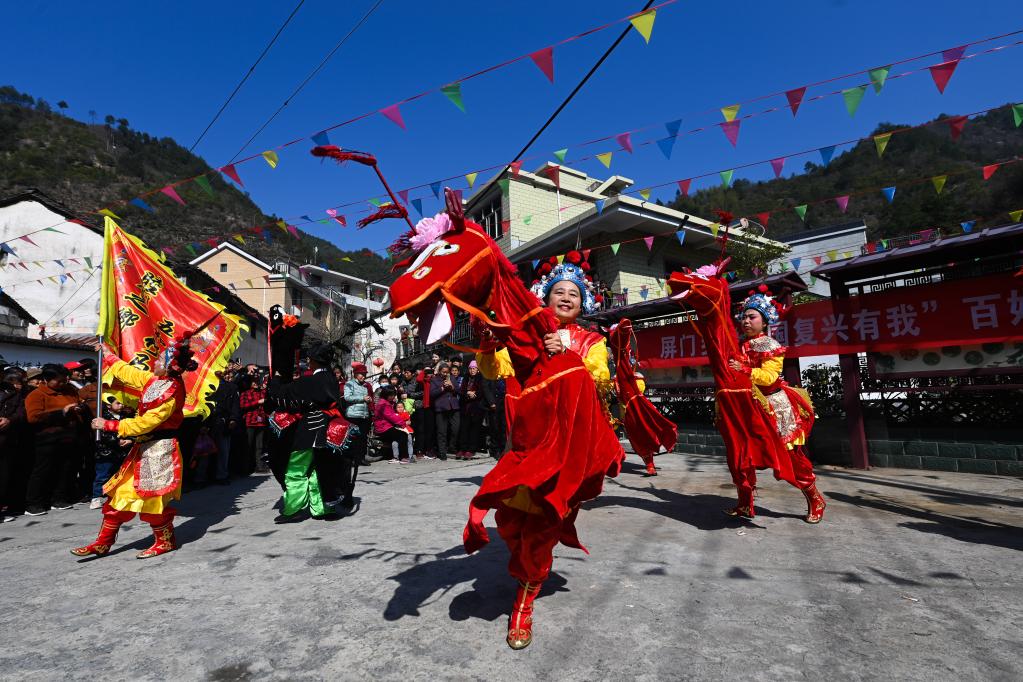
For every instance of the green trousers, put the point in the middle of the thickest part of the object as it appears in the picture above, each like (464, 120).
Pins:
(301, 486)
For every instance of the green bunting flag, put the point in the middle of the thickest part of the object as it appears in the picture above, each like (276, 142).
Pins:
(453, 92)
(204, 182)
(853, 97)
(1017, 114)
(560, 155)
(614, 248)
(801, 212)
(528, 219)
(726, 178)
(881, 141)
(939, 182)
(878, 77)
(503, 183)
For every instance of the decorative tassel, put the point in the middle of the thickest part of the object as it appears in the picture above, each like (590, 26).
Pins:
(340, 155)
(388, 211)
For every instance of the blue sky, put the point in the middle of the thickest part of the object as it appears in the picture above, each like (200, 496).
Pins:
(167, 67)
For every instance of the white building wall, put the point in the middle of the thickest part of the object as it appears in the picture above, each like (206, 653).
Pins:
(69, 307)
(806, 251)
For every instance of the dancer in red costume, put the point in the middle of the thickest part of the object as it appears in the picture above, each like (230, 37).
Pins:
(150, 477)
(744, 416)
(562, 444)
(790, 407)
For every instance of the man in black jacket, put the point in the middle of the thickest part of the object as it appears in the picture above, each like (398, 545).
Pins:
(310, 396)
(224, 418)
(493, 400)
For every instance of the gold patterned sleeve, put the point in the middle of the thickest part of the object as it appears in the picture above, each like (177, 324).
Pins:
(132, 377)
(150, 421)
(767, 373)
(495, 365)
(596, 365)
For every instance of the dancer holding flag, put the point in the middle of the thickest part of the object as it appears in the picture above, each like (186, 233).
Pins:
(142, 305)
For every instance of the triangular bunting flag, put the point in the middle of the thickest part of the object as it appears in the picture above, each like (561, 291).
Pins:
(599, 203)
(586, 255)
(731, 131)
(544, 60)
(320, 138)
(471, 178)
(169, 191)
(683, 187)
(795, 98)
(230, 171)
(418, 205)
(377, 202)
(832, 254)
(801, 211)
(817, 260)
(435, 188)
(645, 193)
(942, 73)
(878, 77)
(889, 193)
(881, 142)
(953, 53)
(681, 234)
(1016, 215)
(730, 112)
(649, 243)
(270, 157)
(561, 259)
(107, 212)
(294, 232)
(939, 182)
(554, 173)
(988, 171)
(204, 183)
(968, 225)
(614, 248)
(796, 262)
(137, 201)
(714, 227)
(625, 140)
(515, 166)
(283, 225)
(853, 97)
(777, 165)
(762, 218)
(25, 238)
(666, 144)
(504, 184)
(1017, 114)
(726, 178)
(393, 114)
(605, 159)
(560, 155)
(955, 126)
(843, 203)
(88, 262)
(826, 154)
(644, 23)
(528, 219)
(453, 92)
(238, 238)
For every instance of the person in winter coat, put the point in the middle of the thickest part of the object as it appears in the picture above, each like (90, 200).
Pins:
(111, 450)
(470, 397)
(391, 427)
(12, 436)
(358, 401)
(444, 398)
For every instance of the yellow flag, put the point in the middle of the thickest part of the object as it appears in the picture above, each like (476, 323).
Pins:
(833, 254)
(271, 158)
(645, 193)
(240, 239)
(881, 141)
(714, 227)
(730, 112)
(605, 159)
(561, 259)
(644, 23)
(108, 213)
(283, 225)
(347, 259)
(471, 177)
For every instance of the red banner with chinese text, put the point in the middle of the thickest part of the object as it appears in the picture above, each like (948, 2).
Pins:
(144, 307)
(959, 312)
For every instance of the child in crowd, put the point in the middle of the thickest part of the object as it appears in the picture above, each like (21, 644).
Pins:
(391, 427)
(110, 449)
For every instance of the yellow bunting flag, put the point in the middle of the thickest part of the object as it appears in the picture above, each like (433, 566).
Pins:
(240, 239)
(730, 112)
(605, 159)
(714, 227)
(939, 182)
(248, 283)
(561, 259)
(108, 213)
(347, 259)
(1016, 215)
(833, 254)
(271, 158)
(881, 141)
(471, 177)
(283, 225)
(644, 23)
(645, 193)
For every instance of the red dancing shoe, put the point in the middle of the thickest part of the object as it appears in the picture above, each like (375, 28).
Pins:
(163, 543)
(745, 507)
(104, 541)
(651, 470)
(815, 504)
(520, 623)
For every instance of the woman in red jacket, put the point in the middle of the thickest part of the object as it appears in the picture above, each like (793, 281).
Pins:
(390, 426)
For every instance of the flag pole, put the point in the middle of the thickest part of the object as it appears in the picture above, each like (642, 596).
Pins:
(99, 380)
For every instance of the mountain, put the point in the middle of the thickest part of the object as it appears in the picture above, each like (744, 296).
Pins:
(87, 166)
(910, 160)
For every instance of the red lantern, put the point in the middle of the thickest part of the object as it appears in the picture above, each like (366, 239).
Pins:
(378, 362)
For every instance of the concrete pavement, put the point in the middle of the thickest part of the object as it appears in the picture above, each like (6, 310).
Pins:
(912, 576)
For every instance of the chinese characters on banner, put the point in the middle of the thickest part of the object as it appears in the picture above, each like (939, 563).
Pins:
(960, 312)
(144, 307)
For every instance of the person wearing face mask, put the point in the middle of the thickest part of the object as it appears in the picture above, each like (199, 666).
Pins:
(790, 408)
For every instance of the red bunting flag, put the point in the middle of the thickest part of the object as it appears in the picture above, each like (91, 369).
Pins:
(625, 139)
(26, 239)
(817, 260)
(229, 171)
(393, 114)
(516, 166)
(988, 171)
(843, 203)
(762, 218)
(731, 130)
(554, 173)
(955, 126)
(795, 98)
(683, 187)
(942, 73)
(404, 196)
(169, 191)
(544, 60)
(777, 165)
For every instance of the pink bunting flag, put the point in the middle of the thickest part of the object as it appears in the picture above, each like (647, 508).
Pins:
(683, 187)
(404, 196)
(169, 191)
(731, 130)
(339, 218)
(26, 239)
(795, 98)
(393, 114)
(988, 171)
(955, 126)
(843, 203)
(229, 171)
(516, 166)
(544, 60)
(942, 73)
(625, 139)
(294, 231)
(762, 218)
(777, 165)
(649, 242)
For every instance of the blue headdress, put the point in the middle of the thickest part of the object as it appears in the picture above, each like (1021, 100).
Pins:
(567, 271)
(763, 303)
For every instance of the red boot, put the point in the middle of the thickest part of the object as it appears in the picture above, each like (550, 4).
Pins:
(112, 520)
(163, 532)
(815, 504)
(520, 623)
(745, 507)
(651, 470)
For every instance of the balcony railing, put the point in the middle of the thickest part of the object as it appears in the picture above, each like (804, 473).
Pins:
(334, 293)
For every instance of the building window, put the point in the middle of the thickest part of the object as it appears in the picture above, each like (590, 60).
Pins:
(491, 217)
(223, 267)
(296, 297)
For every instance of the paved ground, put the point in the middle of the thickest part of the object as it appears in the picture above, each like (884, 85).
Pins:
(912, 575)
